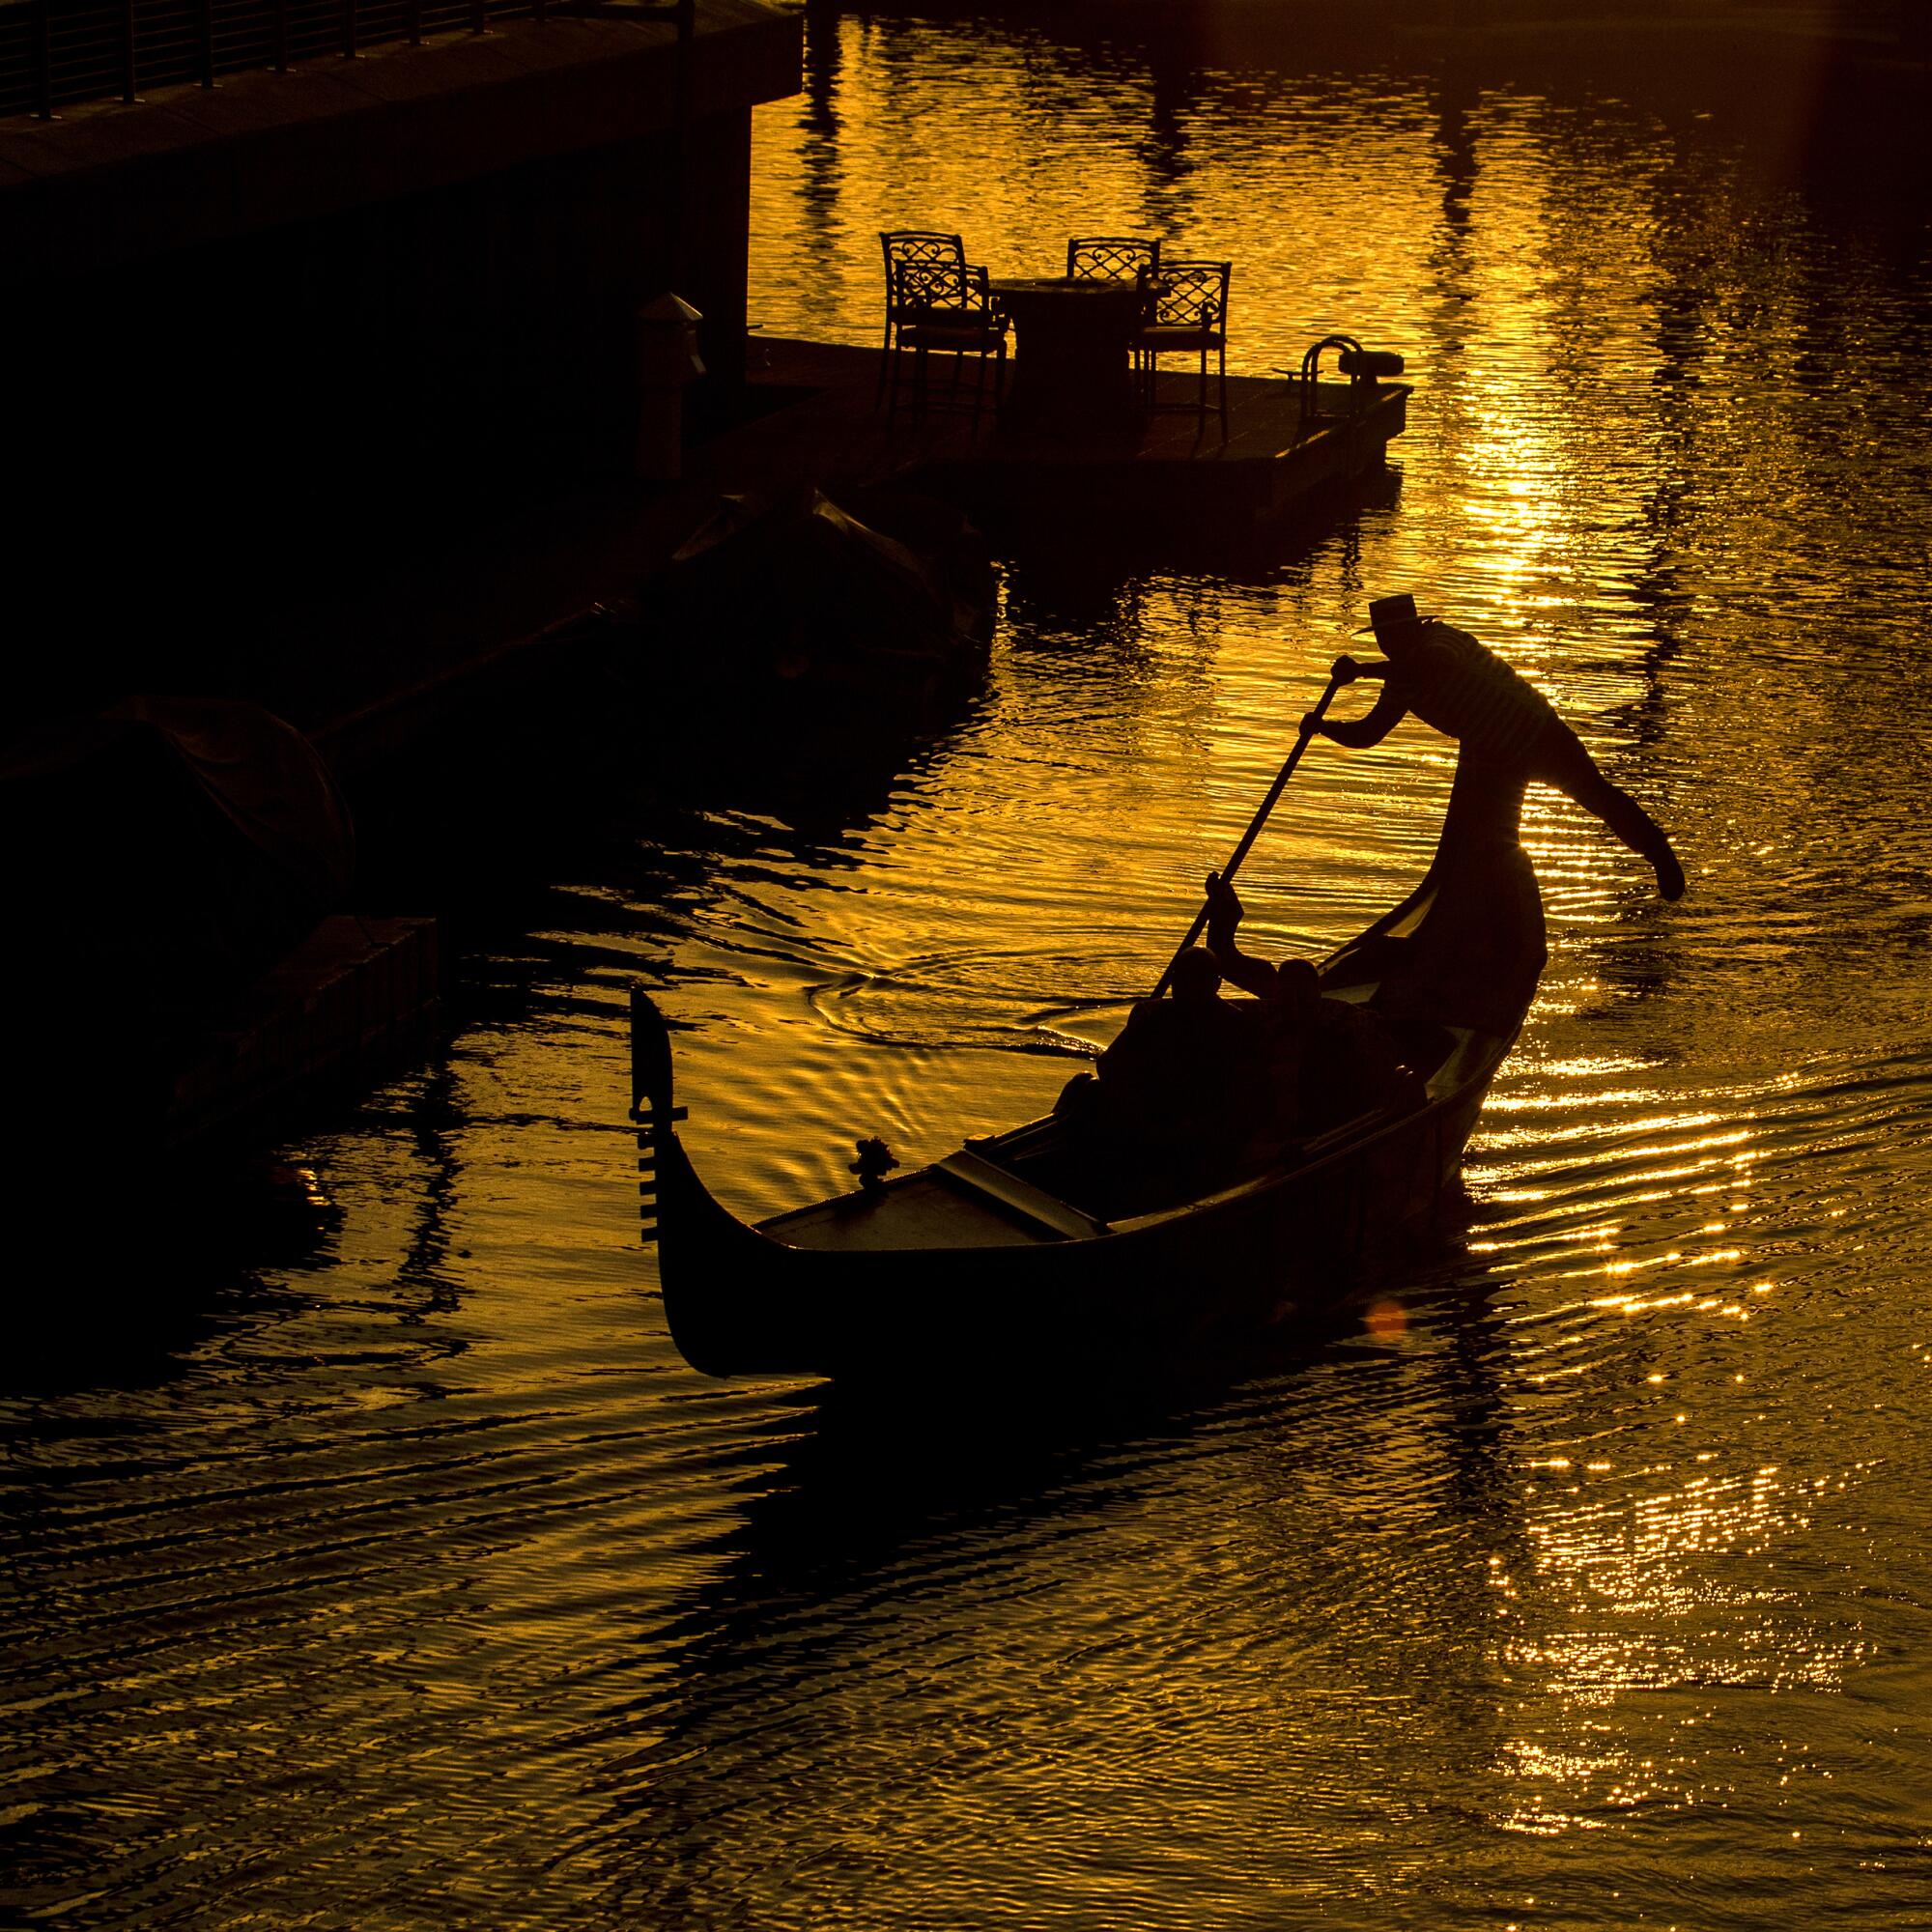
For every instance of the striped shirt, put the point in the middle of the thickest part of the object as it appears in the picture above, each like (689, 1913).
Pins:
(1466, 692)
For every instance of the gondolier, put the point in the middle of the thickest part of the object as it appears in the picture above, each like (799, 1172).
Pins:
(1468, 692)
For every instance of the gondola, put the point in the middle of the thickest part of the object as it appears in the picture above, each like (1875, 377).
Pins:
(991, 1259)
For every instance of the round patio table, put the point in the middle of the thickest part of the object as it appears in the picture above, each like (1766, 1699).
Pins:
(1072, 376)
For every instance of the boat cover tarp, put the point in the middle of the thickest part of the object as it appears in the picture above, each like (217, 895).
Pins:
(804, 592)
(164, 852)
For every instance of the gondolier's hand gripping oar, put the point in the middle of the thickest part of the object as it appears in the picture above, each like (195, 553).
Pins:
(1345, 671)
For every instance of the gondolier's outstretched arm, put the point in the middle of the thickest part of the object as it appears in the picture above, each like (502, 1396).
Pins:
(1465, 690)
(1363, 734)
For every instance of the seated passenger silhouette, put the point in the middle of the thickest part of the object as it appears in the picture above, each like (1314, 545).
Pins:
(1327, 1059)
(1202, 1086)
(1453, 682)
(1182, 1073)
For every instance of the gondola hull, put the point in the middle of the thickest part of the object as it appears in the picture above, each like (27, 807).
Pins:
(741, 1302)
(971, 1267)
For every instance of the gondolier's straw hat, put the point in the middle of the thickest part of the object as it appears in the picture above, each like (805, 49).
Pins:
(1387, 611)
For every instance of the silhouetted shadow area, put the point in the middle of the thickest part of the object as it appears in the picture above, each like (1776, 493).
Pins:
(141, 1264)
(863, 1466)
(887, 1535)
(791, 641)
(161, 560)
(623, 773)
(872, 1466)
(171, 856)
(857, 1472)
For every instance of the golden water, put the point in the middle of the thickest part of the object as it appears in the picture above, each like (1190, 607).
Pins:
(1585, 1585)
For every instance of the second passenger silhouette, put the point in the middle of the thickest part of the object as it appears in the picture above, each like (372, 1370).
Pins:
(1453, 682)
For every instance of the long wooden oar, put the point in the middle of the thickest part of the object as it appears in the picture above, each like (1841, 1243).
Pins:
(1343, 672)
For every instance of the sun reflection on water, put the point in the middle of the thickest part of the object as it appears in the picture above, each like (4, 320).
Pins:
(1556, 1594)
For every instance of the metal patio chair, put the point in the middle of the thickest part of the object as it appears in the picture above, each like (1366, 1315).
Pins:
(915, 249)
(1190, 317)
(1112, 258)
(944, 308)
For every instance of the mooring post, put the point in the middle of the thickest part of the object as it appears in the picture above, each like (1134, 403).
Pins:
(43, 61)
(687, 20)
(668, 363)
(127, 93)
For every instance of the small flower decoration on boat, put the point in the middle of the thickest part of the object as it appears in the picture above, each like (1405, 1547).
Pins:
(875, 1161)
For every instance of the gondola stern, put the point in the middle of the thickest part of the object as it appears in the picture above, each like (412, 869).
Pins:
(651, 1083)
(653, 1115)
(727, 1287)
(737, 1302)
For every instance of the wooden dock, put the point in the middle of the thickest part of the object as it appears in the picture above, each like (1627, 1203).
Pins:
(1178, 472)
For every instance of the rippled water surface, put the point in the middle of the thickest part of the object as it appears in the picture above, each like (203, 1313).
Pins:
(418, 1582)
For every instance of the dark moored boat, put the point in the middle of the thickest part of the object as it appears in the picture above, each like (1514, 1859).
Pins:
(991, 1257)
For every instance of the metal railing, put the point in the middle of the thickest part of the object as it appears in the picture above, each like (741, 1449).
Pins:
(57, 53)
